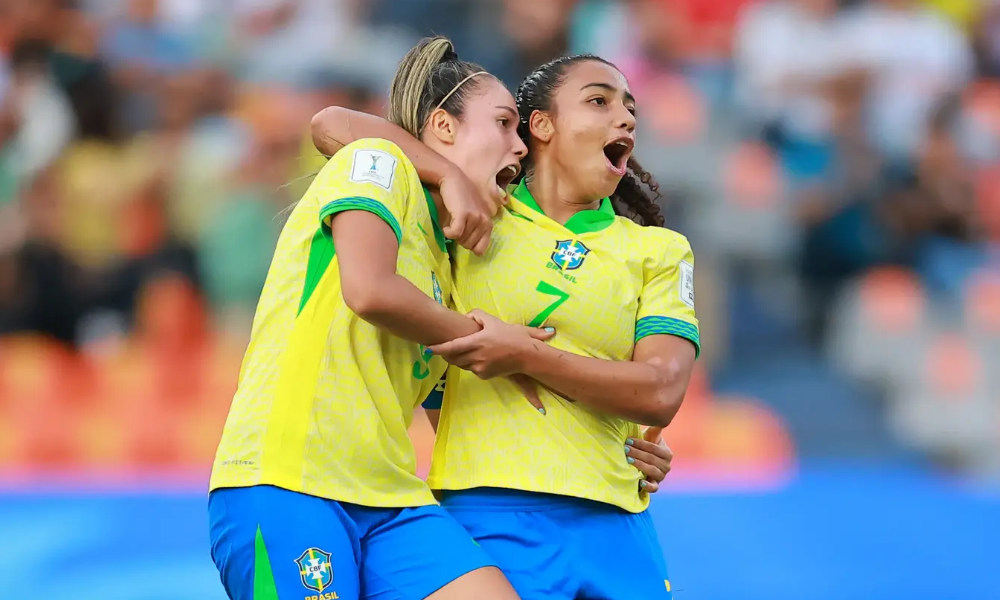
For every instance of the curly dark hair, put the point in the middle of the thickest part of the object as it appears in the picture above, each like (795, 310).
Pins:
(631, 198)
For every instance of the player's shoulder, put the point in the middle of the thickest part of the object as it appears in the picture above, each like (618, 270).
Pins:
(373, 145)
(655, 241)
(370, 160)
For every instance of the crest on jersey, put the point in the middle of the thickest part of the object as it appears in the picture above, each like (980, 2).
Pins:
(569, 254)
(315, 569)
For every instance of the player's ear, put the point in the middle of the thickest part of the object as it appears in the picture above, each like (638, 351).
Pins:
(442, 126)
(541, 126)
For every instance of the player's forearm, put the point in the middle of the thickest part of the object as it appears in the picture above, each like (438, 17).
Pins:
(637, 391)
(398, 307)
(335, 127)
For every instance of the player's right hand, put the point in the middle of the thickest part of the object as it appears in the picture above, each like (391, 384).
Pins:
(652, 457)
(470, 213)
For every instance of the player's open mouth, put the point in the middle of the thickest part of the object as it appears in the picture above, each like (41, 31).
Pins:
(507, 175)
(617, 152)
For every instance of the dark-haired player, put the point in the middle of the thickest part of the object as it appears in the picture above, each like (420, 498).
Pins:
(551, 495)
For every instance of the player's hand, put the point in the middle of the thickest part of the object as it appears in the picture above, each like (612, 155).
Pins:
(470, 213)
(528, 387)
(652, 456)
(497, 350)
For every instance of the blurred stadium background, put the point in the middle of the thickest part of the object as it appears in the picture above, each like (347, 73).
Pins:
(836, 166)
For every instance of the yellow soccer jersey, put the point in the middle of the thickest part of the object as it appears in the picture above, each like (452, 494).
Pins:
(604, 283)
(325, 399)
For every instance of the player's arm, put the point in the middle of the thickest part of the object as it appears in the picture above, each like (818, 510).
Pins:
(334, 127)
(367, 202)
(466, 212)
(648, 389)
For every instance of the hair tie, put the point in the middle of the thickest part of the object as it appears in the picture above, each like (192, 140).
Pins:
(455, 89)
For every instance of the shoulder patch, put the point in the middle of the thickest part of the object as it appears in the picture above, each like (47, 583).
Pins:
(686, 287)
(373, 166)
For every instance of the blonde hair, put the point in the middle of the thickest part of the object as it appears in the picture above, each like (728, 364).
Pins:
(429, 77)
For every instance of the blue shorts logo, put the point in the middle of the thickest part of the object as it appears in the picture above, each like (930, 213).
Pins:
(569, 254)
(315, 569)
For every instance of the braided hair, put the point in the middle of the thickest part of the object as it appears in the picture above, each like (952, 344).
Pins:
(631, 198)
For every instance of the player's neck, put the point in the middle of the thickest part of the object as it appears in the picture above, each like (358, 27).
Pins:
(557, 195)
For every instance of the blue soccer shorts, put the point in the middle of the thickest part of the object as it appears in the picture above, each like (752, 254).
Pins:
(272, 544)
(562, 548)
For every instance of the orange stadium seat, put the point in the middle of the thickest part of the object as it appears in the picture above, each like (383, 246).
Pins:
(982, 303)
(678, 112)
(953, 367)
(752, 177)
(892, 300)
(982, 104)
(988, 199)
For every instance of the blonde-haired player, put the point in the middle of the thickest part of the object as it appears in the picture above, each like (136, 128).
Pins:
(314, 492)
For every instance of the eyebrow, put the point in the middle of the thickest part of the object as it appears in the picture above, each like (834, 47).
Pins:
(609, 88)
(511, 110)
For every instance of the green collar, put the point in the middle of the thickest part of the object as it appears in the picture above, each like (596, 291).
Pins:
(585, 221)
(436, 221)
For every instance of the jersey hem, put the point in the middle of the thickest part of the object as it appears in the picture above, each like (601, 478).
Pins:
(360, 203)
(407, 501)
(635, 508)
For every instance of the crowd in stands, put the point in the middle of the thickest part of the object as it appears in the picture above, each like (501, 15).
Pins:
(836, 165)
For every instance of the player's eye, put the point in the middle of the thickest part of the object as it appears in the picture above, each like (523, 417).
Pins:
(504, 121)
(598, 101)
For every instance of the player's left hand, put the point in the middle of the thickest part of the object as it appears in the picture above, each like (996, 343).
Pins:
(497, 350)
(652, 456)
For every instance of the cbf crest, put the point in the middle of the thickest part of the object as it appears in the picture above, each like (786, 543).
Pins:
(569, 254)
(315, 569)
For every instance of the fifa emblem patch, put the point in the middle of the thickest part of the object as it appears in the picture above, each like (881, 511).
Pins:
(373, 166)
(569, 254)
(315, 569)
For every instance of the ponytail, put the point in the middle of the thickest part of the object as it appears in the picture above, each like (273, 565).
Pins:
(429, 77)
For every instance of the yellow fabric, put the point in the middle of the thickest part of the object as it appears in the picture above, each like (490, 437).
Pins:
(325, 399)
(489, 435)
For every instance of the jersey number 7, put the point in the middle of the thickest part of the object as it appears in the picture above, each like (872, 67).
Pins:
(549, 290)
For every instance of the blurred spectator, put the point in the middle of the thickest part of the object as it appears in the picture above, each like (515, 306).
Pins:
(36, 120)
(914, 59)
(788, 54)
(944, 212)
(141, 52)
(986, 39)
(40, 289)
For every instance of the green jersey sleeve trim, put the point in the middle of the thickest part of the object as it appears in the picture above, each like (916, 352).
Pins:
(360, 203)
(264, 587)
(647, 326)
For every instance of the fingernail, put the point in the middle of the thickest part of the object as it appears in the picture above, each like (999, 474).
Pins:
(541, 410)
(627, 449)
(630, 460)
(642, 484)
(629, 441)
(550, 329)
